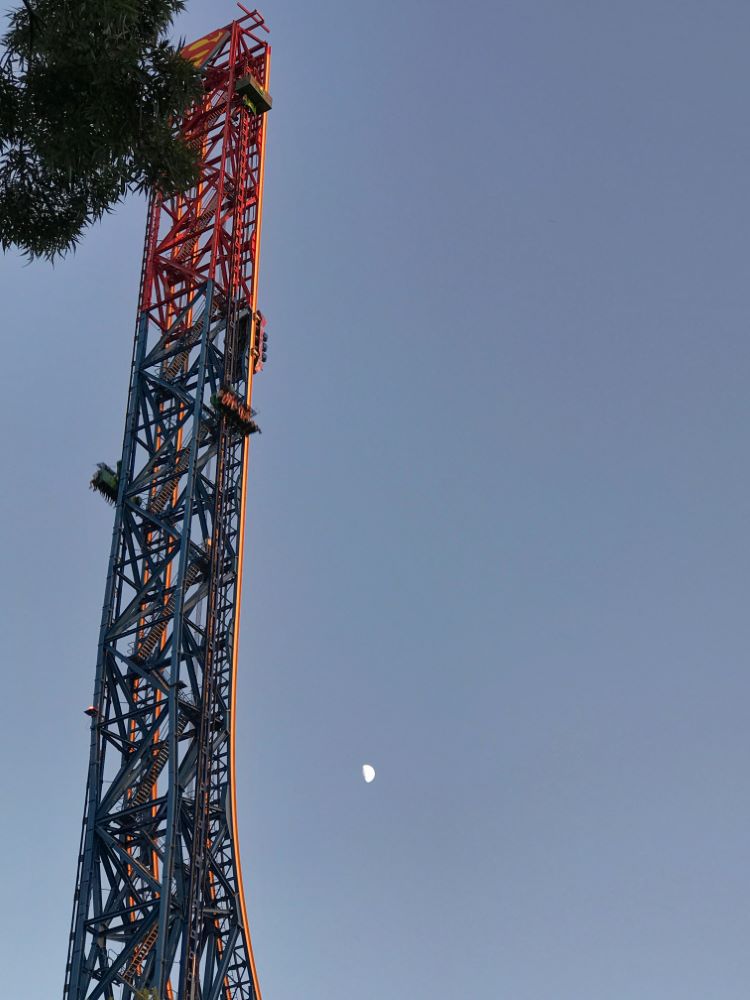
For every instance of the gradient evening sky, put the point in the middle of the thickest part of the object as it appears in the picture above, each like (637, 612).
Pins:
(498, 537)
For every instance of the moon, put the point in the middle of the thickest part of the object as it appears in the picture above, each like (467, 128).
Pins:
(368, 773)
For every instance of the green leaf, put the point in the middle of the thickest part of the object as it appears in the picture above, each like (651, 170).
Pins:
(88, 92)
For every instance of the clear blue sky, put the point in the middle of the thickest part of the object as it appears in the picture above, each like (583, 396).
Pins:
(498, 536)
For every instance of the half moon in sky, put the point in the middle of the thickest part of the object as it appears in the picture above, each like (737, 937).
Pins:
(368, 773)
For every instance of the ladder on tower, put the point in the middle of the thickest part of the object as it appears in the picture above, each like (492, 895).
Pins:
(148, 781)
(140, 954)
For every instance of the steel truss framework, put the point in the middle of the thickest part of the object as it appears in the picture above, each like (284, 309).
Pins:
(159, 902)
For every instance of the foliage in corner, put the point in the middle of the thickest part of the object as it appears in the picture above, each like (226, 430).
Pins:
(88, 91)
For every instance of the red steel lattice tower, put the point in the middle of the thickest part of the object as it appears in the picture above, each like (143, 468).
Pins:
(159, 904)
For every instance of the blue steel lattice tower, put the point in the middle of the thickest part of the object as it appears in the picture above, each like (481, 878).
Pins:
(159, 906)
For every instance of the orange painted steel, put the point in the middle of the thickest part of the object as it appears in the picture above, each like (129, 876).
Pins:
(241, 547)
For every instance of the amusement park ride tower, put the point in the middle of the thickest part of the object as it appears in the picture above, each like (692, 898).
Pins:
(159, 906)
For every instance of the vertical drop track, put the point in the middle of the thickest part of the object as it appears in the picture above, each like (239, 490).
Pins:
(159, 902)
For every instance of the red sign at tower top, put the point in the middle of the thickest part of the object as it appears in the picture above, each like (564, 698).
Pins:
(201, 51)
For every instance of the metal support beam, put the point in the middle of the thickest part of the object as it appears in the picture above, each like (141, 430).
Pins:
(159, 901)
